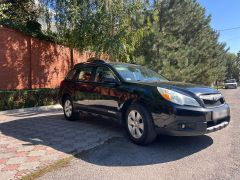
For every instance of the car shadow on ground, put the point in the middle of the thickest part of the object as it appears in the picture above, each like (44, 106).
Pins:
(121, 152)
(68, 137)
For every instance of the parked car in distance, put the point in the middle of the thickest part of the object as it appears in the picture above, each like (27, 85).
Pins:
(143, 101)
(230, 83)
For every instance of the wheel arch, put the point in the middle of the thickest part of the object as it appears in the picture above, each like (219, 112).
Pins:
(128, 103)
(66, 94)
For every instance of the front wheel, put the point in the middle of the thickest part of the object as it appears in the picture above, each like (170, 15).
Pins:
(139, 125)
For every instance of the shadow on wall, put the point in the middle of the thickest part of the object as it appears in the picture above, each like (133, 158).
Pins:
(74, 136)
(50, 63)
(27, 62)
(14, 64)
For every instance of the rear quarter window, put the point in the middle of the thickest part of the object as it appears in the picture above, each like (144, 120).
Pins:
(70, 74)
(86, 74)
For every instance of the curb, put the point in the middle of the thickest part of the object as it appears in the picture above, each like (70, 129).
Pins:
(56, 107)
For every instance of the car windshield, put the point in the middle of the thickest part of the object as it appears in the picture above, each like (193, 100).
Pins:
(130, 72)
(231, 81)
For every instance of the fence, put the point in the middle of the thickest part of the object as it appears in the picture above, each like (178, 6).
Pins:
(30, 63)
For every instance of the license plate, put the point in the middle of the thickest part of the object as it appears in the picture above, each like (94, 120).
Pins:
(220, 114)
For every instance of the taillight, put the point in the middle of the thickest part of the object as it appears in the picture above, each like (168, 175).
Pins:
(61, 84)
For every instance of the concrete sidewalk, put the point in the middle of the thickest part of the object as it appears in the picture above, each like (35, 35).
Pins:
(30, 139)
(56, 107)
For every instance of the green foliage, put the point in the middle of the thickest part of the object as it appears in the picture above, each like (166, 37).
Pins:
(27, 98)
(3, 8)
(19, 11)
(103, 26)
(32, 30)
(233, 66)
(174, 37)
(182, 45)
(23, 16)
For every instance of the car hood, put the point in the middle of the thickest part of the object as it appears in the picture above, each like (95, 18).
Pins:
(184, 87)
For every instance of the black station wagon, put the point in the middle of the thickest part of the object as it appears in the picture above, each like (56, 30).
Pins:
(143, 101)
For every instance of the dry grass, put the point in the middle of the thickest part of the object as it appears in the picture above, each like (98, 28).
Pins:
(55, 166)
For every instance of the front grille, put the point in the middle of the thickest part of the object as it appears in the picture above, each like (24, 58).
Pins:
(212, 100)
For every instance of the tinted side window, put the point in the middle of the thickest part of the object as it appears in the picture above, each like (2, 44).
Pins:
(71, 74)
(104, 73)
(86, 74)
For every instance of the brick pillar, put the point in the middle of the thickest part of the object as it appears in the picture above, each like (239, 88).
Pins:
(29, 44)
(71, 57)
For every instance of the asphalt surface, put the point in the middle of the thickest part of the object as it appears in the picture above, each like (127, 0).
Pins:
(213, 156)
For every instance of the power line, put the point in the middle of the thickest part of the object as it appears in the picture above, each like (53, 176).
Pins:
(234, 38)
(229, 29)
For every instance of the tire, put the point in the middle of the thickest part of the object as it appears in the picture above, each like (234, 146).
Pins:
(140, 129)
(68, 109)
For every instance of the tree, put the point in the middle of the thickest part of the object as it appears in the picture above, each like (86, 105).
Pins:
(182, 45)
(174, 37)
(3, 8)
(20, 11)
(23, 16)
(102, 26)
(232, 63)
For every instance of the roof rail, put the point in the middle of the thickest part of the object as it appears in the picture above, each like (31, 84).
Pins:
(98, 61)
(79, 64)
(89, 62)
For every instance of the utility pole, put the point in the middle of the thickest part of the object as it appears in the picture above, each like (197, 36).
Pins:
(238, 62)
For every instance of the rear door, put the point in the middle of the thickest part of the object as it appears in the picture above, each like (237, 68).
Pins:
(84, 88)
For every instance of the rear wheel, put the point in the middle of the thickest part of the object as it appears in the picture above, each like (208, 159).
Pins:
(68, 109)
(139, 125)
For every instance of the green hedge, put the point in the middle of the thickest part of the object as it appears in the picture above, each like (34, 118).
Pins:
(27, 98)
(31, 28)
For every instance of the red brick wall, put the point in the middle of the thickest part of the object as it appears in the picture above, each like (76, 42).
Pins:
(27, 62)
(14, 59)
(50, 63)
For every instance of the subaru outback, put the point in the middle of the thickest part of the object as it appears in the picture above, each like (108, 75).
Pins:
(143, 101)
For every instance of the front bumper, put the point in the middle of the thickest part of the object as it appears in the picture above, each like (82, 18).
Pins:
(190, 121)
(217, 127)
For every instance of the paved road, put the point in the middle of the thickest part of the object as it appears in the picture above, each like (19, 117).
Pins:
(30, 140)
(214, 156)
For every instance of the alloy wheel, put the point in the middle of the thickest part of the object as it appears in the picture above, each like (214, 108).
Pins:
(135, 124)
(68, 108)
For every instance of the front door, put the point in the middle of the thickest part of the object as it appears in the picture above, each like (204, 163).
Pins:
(107, 92)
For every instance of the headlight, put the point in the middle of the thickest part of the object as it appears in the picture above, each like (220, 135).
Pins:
(177, 98)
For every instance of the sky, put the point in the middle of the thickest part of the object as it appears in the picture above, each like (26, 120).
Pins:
(225, 15)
